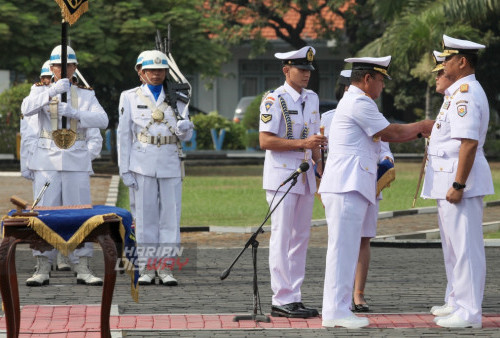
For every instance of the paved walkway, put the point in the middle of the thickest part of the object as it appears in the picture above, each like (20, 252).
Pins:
(403, 284)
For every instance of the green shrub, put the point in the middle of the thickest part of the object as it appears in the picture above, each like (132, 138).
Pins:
(492, 142)
(251, 117)
(412, 147)
(235, 133)
(10, 113)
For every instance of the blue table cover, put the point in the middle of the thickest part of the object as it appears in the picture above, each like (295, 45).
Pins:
(65, 229)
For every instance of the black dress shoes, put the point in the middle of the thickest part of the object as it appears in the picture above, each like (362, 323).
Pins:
(313, 312)
(291, 310)
(361, 308)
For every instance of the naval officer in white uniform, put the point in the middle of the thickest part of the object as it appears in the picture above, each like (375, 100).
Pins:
(68, 169)
(348, 186)
(289, 128)
(369, 229)
(150, 161)
(458, 177)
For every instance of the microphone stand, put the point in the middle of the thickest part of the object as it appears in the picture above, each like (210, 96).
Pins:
(255, 244)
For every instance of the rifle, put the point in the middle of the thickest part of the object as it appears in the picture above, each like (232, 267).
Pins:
(175, 83)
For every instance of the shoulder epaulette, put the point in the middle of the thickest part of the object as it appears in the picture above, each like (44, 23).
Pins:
(82, 86)
(464, 88)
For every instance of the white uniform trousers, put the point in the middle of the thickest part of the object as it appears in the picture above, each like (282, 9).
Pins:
(157, 215)
(66, 188)
(345, 213)
(464, 255)
(369, 228)
(449, 262)
(290, 228)
(131, 199)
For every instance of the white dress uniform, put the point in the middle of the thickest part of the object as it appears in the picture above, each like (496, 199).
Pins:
(291, 221)
(347, 189)
(149, 151)
(67, 170)
(370, 224)
(464, 114)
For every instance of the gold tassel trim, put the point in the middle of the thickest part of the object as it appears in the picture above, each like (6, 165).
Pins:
(66, 14)
(65, 247)
(385, 180)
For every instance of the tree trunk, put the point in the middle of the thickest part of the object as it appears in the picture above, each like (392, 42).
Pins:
(428, 102)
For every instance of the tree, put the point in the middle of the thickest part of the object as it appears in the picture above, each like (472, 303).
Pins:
(416, 28)
(243, 20)
(107, 40)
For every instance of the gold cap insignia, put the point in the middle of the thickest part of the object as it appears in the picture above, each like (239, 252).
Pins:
(310, 55)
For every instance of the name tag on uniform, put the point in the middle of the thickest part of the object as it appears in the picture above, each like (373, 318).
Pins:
(293, 112)
(142, 106)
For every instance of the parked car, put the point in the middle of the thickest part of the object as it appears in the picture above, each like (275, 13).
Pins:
(241, 108)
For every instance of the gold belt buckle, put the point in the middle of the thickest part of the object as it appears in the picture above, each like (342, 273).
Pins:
(64, 138)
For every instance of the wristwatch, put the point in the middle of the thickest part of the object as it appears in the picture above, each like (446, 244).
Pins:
(458, 186)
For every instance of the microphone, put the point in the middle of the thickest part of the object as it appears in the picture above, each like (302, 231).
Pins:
(304, 166)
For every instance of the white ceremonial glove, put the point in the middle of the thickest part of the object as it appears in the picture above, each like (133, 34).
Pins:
(61, 86)
(65, 109)
(129, 180)
(183, 126)
(28, 174)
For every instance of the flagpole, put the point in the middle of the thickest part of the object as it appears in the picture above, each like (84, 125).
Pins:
(64, 63)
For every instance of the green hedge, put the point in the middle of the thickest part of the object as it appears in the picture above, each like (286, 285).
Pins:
(10, 113)
(235, 138)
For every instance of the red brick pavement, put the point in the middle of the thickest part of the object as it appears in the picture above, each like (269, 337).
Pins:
(73, 320)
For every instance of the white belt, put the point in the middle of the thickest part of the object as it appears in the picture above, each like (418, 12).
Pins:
(47, 134)
(158, 140)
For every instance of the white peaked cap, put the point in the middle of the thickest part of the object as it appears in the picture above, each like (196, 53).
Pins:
(438, 60)
(379, 64)
(301, 58)
(456, 46)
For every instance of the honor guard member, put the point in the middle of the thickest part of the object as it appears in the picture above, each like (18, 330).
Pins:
(289, 124)
(29, 136)
(149, 136)
(348, 186)
(458, 177)
(29, 126)
(369, 228)
(66, 168)
(137, 68)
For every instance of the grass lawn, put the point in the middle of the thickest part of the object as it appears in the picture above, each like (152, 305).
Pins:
(233, 195)
(492, 235)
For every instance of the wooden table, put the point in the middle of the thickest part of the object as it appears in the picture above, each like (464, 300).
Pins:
(16, 231)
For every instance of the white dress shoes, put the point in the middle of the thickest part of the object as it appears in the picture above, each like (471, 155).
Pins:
(442, 310)
(350, 322)
(454, 321)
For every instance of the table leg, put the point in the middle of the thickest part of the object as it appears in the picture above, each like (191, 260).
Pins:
(14, 287)
(6, 287)
(110, 258)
